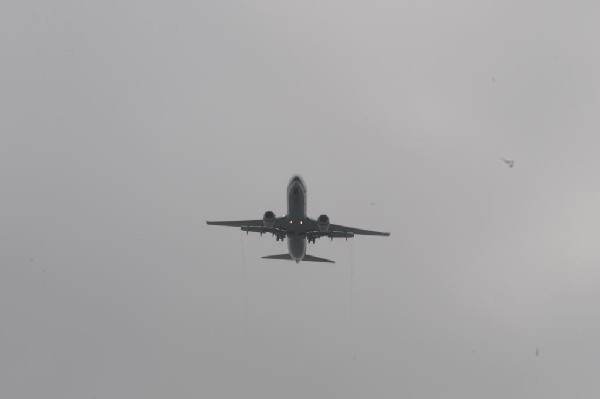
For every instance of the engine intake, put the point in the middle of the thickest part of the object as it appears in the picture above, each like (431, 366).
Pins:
(323, 223)
(269, 219)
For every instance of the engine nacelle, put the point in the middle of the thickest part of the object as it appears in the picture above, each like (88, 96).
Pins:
(269, 219)
(323, 223)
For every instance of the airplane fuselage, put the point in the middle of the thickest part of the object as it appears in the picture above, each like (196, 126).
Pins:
(296, 216)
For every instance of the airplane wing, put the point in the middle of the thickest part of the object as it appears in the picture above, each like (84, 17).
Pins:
(256, 225)
(344, 229)
(239, 223)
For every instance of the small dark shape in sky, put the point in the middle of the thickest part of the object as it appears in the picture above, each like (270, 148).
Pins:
(509, 162)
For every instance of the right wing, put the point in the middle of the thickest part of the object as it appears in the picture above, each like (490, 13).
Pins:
(344, 229)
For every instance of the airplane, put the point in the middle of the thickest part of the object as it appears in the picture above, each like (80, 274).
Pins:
(509, 162)
(296, 226)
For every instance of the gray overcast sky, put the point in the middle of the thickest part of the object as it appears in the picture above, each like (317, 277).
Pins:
(126, 125)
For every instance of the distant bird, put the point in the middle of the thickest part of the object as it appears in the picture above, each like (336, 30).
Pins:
(509, 162)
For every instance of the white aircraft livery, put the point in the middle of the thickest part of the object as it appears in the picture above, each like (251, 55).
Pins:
(296, 226)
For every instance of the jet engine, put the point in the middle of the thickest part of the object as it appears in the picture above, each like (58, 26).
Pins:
(269, 219)
(323, 223)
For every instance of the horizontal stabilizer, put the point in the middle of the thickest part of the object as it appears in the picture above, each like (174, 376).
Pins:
(310, 258)
(307, 258)
(282, 256)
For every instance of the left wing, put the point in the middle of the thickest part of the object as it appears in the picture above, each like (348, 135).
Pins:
(239, 223)
(257, 226)
(344, 229)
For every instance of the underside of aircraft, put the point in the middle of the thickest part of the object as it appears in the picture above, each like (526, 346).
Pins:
(296, 226)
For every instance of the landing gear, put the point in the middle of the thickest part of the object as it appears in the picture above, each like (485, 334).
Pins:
(312, 238)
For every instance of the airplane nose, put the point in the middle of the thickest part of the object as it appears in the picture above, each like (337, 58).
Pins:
(297, 181)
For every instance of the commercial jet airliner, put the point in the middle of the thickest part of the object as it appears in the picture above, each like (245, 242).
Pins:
(296, 226)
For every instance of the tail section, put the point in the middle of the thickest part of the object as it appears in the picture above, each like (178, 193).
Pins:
(310, 258)
(307, 258)
(282, 256)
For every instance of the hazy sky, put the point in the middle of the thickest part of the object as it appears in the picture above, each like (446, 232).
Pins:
(126, 125)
